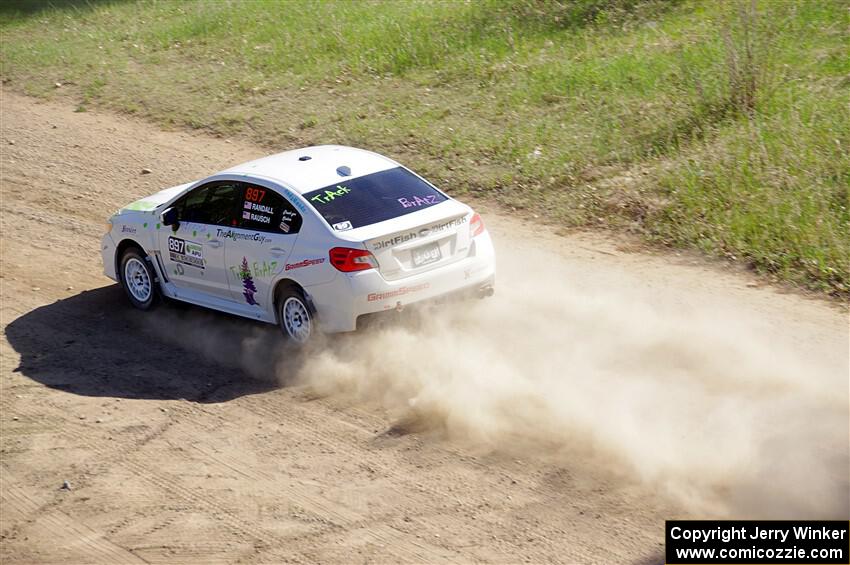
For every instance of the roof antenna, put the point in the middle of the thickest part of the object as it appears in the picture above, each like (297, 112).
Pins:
(304, 158)
(343, 171)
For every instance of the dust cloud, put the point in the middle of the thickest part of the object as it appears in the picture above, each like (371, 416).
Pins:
(698, 402)
(693, 402)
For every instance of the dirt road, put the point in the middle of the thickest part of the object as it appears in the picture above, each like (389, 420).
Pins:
(599, 393)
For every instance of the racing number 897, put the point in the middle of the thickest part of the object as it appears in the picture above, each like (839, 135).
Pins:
(176, 245)
(255, 194)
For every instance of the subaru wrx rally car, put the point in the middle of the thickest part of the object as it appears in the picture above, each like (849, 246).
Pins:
(311, 239)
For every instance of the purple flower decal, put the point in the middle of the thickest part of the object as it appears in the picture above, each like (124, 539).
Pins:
(247, 283)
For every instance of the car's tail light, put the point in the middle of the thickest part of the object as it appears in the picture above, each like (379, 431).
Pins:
(476, 225)
(348, 260)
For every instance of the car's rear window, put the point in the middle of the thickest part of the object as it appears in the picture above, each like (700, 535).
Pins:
(370, 199)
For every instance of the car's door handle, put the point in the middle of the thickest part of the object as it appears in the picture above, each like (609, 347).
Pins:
(277, 251)
(214, 243)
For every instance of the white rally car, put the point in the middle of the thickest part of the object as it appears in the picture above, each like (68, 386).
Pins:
(311, 239)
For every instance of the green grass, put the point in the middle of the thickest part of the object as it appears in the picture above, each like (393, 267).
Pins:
(622, 113)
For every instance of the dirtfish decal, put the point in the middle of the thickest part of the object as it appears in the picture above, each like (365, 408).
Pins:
(424, 232)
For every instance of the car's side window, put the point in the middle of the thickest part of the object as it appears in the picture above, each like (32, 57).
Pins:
(190, 207)
(220, 205)
(263, 209)
(213, 203)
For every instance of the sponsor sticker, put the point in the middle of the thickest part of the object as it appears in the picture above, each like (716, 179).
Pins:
(228, 233)
(295, 200)
(257, 269)
(375, 296)
(186, 252)
(342, 226)
(254, 207)
(330, 195)
(424, 232)
(128, 229)
(304, 263)
(417, 201)
(285, 218)
(256, 217)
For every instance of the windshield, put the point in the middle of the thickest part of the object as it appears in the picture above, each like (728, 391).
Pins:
(370, 199)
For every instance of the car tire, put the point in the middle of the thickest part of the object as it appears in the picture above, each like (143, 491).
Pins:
(138, 280)
(296, 318)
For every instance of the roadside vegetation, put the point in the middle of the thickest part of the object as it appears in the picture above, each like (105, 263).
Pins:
(722, 126)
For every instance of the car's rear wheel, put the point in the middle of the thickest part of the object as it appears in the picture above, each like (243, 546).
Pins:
(295, 317)
(138, 280)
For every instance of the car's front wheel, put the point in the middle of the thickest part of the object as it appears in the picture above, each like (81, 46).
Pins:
(138, 280)
(295, 317)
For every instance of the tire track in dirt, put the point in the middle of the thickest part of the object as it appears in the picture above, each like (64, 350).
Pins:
(336, 515)
(307, 417)
(65, 530)
(164, 483)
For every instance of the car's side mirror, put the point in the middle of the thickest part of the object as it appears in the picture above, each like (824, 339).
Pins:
(171, 217)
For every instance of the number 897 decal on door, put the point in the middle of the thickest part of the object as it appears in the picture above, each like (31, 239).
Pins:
(340, 233)
(188, 253)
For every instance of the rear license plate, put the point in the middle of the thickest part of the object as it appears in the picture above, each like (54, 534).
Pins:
(426, 254)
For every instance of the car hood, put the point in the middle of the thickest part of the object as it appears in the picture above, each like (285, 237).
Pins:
(152, 202)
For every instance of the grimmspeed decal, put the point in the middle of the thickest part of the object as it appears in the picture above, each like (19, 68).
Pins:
(374, 296)
(186, 252)
(304, 263)
(424, 232)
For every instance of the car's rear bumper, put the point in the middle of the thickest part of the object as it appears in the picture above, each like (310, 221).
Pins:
(341, 302)
(479, 290)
